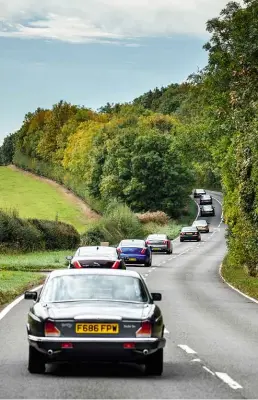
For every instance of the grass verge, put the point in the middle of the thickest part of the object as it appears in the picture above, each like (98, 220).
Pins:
(240, 279)
(38, 261)
(14, 283)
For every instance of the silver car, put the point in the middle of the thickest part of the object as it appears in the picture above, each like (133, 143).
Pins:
(160, 243)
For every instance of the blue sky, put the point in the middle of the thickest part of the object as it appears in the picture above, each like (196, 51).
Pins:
(98, 51)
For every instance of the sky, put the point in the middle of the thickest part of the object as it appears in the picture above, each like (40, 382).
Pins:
(90, 52)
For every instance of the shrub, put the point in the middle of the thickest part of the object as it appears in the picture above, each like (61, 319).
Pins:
(57, 235)
(159, 217)
(19, 234)
(118, 223)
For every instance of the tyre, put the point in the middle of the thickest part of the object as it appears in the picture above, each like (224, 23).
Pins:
(148, 264)
(36, 362)
(154, 363)
(181, 240)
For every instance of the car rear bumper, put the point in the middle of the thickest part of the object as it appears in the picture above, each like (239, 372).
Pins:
(135, 259)
(95, 349)
(159, 247)
(189, 237)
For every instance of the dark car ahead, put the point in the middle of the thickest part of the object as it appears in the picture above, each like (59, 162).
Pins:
(202, 225)
(190, 233)
(205, 199)
(96, 257)
(207, 211)
(99, 315)
(135, 251)
(198, 192)
(160, 243)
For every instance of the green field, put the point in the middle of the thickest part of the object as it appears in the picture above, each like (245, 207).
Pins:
(33, 198)
(12, 284)
(45, 260)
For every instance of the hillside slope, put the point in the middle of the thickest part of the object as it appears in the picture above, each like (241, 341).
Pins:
(36, 197)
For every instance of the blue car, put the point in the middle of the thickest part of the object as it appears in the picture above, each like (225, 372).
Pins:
(135, 251)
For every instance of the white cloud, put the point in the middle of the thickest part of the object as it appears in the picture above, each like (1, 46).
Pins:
(105, 20)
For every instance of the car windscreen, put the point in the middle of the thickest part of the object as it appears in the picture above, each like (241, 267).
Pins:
(94, 251)
(81, 287)
(97, 262)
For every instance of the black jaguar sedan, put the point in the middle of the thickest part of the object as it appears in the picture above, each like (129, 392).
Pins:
(84, 315)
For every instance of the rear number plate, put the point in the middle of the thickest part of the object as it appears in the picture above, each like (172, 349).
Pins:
(97, 328)
(132, 259)
(155, 248)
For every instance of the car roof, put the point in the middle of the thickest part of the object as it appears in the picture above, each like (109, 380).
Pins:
(200, 221)
(157, 235)
(207, 206)
(94, 271)
(188, 228)
(206, 195)
(132, 241)
(199, 190)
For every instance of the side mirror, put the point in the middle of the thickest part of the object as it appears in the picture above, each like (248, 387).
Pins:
(30, 295)
(156, 296)
(69, 258)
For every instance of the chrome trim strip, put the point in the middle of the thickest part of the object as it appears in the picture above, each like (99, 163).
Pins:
(92, 339)
(33, 316)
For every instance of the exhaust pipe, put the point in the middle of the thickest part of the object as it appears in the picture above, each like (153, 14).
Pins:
(50, 352)
(145, 352)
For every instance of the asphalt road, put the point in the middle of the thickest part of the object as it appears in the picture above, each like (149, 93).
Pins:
(212, 345)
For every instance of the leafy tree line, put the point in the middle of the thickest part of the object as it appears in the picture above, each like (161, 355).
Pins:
(149, 153)
(129, 155)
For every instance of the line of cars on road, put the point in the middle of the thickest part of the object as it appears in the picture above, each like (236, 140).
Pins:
(128, 252)
(97, 310)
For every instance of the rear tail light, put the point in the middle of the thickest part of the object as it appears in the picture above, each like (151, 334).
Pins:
(116, 265)
(76, 264)
(147, 242)
(143, 251)
(145, 330)
(165, 241)
(119, 251)
(51, 329)
(182, 234)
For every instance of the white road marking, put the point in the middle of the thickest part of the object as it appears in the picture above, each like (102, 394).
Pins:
(166, 331)
(15, 302)
(149, 270)
(196, 360)
(235, 289)
(229, 381)
(186, 348)
(208, 370)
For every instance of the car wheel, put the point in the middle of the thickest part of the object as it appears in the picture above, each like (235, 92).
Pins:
(148, 264)
(36, 362)
(181, 240)
(154, 363)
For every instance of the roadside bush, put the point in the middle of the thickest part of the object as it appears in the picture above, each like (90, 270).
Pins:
(158, 217)
(22, 235)
(57, 235)
(19, 234)
(118, 223)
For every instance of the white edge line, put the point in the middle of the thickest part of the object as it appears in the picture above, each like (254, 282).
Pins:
(15, 302)
(229, 381)
(235, 289)
(208, 370)
(186, 348)
(166, 331)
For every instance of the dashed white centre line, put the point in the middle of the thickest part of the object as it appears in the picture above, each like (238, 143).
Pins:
(186, 348)
(229, 381)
